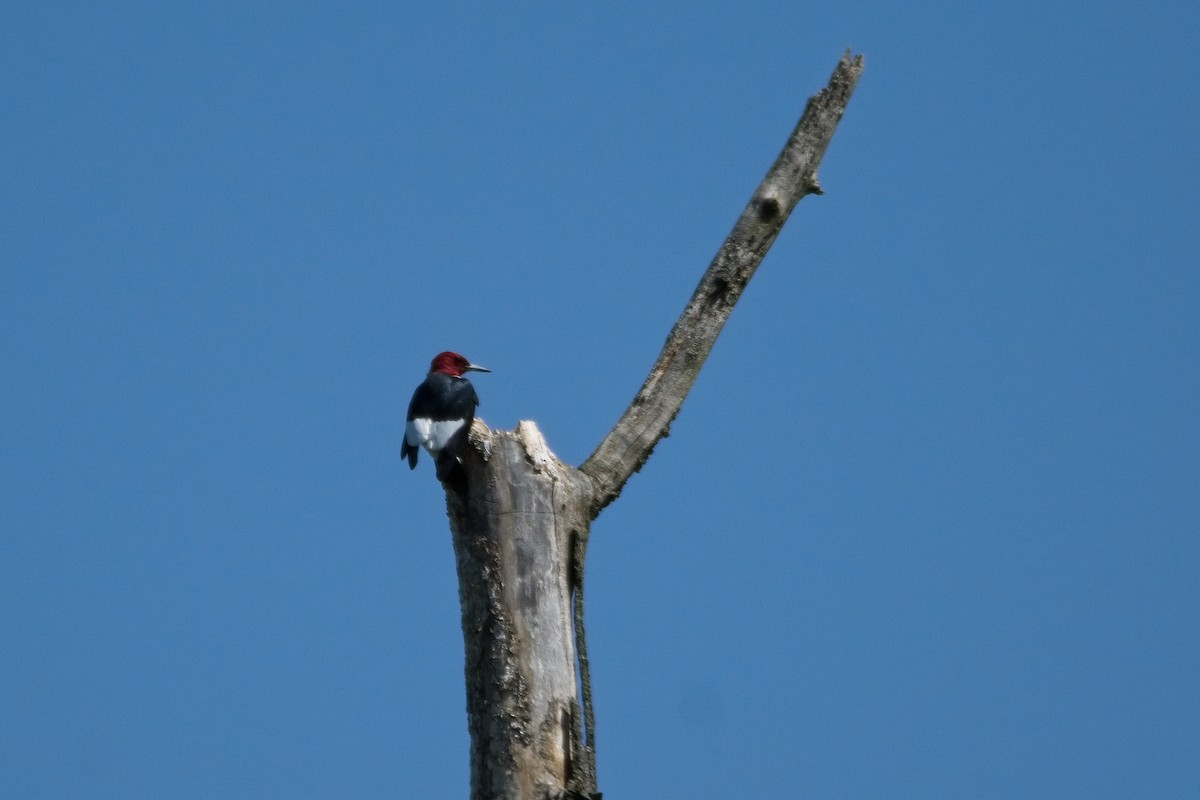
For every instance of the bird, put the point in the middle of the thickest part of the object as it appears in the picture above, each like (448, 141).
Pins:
(441, 412)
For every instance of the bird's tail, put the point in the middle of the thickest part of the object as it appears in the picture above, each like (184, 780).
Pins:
(410, 452)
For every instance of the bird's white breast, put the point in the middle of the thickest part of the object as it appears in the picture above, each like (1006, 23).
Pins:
(431, 435)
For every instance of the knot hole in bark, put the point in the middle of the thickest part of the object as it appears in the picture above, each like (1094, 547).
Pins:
(768, 208)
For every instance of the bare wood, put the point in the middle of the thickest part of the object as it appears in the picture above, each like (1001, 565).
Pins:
(793, 175)
(520, 518)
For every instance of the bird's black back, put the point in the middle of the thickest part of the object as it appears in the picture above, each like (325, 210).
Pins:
(441, 397)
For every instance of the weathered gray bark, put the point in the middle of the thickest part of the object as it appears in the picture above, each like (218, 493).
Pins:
(520, 517)
(791, 177)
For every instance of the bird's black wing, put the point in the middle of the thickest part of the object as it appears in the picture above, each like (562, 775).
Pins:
(442, 397)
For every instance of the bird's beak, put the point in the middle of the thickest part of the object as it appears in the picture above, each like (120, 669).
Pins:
(476, 368)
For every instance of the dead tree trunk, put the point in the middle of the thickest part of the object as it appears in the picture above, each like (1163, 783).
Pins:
(520, 517)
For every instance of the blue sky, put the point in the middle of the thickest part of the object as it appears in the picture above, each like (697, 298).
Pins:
(928, 525)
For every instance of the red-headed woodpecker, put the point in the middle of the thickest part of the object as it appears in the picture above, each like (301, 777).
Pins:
(441, 413)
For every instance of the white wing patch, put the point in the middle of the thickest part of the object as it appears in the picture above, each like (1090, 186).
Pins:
(433, 436)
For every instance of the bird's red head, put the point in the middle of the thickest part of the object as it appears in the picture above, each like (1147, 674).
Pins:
(454, 364)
